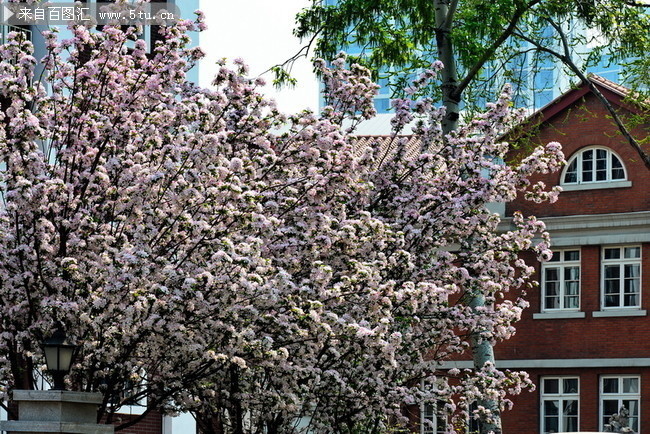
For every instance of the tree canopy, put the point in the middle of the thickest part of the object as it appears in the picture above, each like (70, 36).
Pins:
(479, 42)
(269, 273)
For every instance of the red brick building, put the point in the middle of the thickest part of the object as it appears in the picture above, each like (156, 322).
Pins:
(585, 340)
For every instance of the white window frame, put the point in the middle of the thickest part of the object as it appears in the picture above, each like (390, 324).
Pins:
(140, 405)
(428, 412)
(608, 182)
(620, 397)
(621, 262)
(561, 397)
(561, 265)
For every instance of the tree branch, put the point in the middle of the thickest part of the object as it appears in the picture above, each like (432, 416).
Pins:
(489, 52)
(567, 59)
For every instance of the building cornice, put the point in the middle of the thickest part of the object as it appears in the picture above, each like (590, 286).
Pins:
(556, 363)
(594, 229)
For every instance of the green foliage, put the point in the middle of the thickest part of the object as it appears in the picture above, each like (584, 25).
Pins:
(399, 37)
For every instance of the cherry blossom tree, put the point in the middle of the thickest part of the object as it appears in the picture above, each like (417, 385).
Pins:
(269, 273)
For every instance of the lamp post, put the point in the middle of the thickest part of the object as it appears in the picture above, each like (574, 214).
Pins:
(58, 357)
(56, 410)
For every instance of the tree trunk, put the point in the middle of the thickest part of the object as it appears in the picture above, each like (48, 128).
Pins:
(444, 10)
(484, 353)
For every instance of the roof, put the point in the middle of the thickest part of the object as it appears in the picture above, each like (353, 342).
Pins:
(385, 144)
(613, 92)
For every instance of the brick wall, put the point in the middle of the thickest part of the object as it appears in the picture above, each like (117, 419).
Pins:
(151, 424)
(587, 337)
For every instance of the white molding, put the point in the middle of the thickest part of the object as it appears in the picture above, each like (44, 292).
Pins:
(556, 363)
(167, 424)
(596, 185)
(592, 221)
(618, 312)
(559, 315)
(594, 229)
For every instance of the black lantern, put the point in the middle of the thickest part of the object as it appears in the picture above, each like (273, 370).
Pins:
(58, 357)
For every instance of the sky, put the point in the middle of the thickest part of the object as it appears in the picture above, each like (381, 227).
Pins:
(260, 32)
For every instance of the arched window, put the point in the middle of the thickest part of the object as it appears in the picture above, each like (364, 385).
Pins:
(593, 165)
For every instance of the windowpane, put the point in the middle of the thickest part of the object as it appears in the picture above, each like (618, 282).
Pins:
(621, 392)
(571, 175)
(630, 385)
(612, 300)
(612, 286)
(631, 286)
(551, 408)
(571, 288)
(571, 273)
(552, 302)
(601, 165)
(572, 255)
(571, 423)
(570, 408)
(622, 276)
(587, 167)
(570, 385)
(551, 424)
(632, 271)
(617, 168)
(572, 302)
(610, 385)
(552, 274)
(612, 272)
(630, 300)
(551, 385)
(610, 407)
(632, 405)
(552, 289)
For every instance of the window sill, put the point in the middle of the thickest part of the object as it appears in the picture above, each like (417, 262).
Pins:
(132, 409)
(596, 185)
(559, 315)
(619, 312)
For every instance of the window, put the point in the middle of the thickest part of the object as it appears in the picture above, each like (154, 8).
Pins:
(431, 422)
(561, 281)
(593, 165)
(617, 392)
(5, 29)
(621, 277)
(560, 403)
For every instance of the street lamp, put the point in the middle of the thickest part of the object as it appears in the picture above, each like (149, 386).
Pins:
(58, 357)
